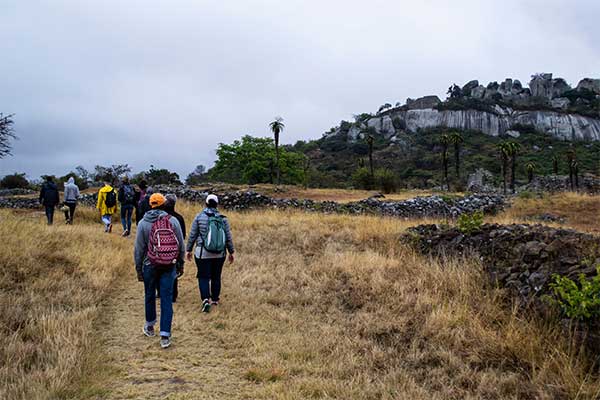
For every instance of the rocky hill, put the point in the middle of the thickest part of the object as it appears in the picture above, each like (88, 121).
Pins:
(548, 119)
(549, 105)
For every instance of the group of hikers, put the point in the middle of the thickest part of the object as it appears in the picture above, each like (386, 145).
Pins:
(160, 247)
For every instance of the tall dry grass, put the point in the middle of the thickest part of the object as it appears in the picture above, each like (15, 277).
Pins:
(330, 306)
(53, 281)
(580, 211)
(315, 306)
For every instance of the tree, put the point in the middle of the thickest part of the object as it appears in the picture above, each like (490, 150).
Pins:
(112, 173)
(6, 134)
(386, 106)
(14, 181)
(454, 91)
(196, 176)
(555, 164)
(306, 169)
(362, 179)
(370, 140)
(530, 168)
(386, 180)
(456, 139)
(83, 174)
(80, 182)
(276, 127)
(513, 150)
(573, 168)
(250, 161)
(504, 151)
(445, 142)
(161, 176)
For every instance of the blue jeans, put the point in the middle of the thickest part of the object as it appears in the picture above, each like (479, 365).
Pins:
(126, 214)
(50, 214)
(164, 279)
(209, 277)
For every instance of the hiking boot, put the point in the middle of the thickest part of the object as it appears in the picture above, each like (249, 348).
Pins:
(165, 342)
(205, 306)
(149, 331)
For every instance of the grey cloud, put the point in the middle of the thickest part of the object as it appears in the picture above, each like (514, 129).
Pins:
(164, 82)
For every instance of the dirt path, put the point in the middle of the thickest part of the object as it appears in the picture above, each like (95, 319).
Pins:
(197, 365)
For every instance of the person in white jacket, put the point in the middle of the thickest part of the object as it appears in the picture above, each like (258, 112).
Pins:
(71, 197)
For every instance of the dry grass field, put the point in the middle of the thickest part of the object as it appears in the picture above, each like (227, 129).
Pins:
(315, 306)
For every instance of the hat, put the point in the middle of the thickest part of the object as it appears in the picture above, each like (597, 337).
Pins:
(212, 197)
(171, 198)
(157, 200)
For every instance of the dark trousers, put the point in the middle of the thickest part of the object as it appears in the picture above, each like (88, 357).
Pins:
(126, 214)
(209, 277)
(50, 214)
(69, 214)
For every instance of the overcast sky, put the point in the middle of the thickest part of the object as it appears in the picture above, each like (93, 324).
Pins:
(163, 82)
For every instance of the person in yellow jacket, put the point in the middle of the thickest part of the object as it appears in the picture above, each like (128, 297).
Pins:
(107, 205)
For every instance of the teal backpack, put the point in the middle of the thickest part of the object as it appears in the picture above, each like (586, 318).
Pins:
(215, 239)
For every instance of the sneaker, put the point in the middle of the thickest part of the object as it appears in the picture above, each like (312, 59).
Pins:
(214, 302)
(165, 342)
(109, 228)
(149, 331)
(205, 306)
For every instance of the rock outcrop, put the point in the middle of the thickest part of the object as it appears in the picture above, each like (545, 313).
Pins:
(549, 105)
(522, 258)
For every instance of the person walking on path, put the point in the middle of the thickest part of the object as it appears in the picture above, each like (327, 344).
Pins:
(144, 204)
(170, 209)
(49, 198)
(212, 236)
(107, 205)
(159, 251)
(140, 196)
(127, 199)
(70, 200)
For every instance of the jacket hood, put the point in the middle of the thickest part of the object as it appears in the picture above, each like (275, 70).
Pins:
(153, 215)
(71, 181)
(106, 189)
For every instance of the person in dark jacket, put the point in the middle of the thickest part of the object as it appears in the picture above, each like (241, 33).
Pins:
(170, 209)
(140, 195)
(144, 205)
(49, 198)
(127, 200)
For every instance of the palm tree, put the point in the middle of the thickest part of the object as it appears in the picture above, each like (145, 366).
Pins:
(573, 168)
(555, 164)
(456, 139)
(503, 149)
(445, 141)
(530, 168)
(276, 127)
(513, 150)
(370, 140)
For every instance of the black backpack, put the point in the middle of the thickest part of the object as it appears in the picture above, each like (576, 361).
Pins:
(128, 194)
(111, 199)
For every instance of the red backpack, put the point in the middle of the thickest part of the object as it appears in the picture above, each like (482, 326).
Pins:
(163, 248)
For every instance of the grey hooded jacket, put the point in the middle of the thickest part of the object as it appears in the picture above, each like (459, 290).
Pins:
(198, 231)
(143, 237)
(71, 191)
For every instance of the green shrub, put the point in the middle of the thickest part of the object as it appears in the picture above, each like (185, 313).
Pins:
(362, 179)
(14, 181)
(386, 180)
(578, 300)
(469, 223)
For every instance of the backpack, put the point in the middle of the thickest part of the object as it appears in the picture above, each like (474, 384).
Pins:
(214, 240)
(163, 246)
(128, 194)
(111, 199)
